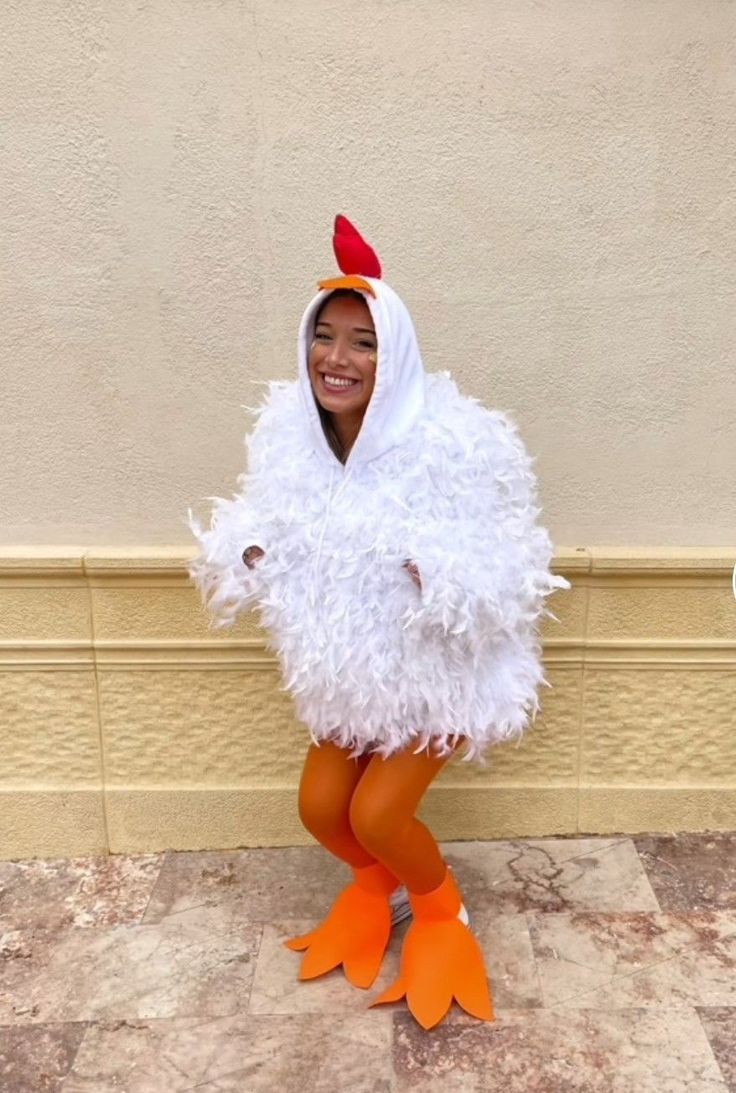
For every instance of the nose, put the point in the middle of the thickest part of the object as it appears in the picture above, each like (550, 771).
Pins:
(337, 354)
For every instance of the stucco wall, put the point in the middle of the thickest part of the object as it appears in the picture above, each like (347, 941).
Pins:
(550, 186)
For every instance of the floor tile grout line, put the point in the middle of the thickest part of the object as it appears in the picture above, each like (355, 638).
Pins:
(581, 708)
(256, 957)
(646, 874)
(537, 972)
(154, 886)
(638, 971)
(74, 1058)
(98, 706)
(699, 1016)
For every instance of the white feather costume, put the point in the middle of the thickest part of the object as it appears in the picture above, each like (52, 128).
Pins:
(373, 662)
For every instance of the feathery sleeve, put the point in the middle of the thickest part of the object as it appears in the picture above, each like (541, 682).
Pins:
(483, 560)
(226, 585)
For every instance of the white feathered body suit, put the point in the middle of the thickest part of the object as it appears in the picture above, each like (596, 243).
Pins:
(373, 662)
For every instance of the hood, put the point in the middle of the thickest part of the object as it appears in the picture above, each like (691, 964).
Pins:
(399, 392)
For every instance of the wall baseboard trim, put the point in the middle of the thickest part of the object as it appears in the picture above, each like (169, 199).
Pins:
(67, 823)
(253, 655)
(133, 727)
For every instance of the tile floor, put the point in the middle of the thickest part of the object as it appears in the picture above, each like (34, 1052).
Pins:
(613, 964)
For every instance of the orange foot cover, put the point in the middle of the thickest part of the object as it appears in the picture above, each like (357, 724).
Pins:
(355, 932)
(440, 960)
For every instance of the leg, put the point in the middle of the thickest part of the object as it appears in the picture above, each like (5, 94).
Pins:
(440, 958)
(357, 928)
(382, 817)
(327, 784)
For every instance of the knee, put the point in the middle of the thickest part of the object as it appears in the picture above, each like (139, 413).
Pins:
(321, 814)
(375, 823)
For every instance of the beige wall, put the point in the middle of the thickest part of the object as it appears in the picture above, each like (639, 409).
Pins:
(550, 185)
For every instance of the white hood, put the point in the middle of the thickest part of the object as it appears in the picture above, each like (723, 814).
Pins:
(374, 662)
(399, 393)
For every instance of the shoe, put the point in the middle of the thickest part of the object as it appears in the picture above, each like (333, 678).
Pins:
(441, 960)
(355, 933)
(401, 908)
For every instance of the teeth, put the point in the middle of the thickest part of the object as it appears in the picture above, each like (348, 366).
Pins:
(338, 382)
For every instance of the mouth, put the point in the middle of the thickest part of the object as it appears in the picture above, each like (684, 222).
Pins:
(338, 385)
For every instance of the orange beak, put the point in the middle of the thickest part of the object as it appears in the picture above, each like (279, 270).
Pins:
(358, 284)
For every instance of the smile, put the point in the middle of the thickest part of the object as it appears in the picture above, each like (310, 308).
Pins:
(337, 381)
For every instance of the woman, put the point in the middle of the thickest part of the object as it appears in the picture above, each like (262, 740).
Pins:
(391, 548)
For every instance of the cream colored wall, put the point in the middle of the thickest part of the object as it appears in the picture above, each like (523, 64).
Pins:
(550, 187)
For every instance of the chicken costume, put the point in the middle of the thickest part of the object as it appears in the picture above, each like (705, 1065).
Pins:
(373, 662)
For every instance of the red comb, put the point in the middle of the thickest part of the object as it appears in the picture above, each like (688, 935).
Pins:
(352, 252)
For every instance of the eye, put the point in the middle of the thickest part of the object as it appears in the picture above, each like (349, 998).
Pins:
(320, 336)
(365, 344)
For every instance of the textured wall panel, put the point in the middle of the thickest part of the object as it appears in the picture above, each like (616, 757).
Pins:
(189, 819)
(499, 812)
(610, 809)
(183, 819)
(126, 612)
(52, 823)
(201, 747)
(49, 729)
(44, 611)
(659, 727)
(546, 755)
(139, 595)
(639, 611)
(194, 728)
(570, 611)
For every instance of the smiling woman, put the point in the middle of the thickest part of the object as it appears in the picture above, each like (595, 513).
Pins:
(342, 366)
(392, 550)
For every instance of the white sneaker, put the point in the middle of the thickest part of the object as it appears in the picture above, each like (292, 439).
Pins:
(401, 908)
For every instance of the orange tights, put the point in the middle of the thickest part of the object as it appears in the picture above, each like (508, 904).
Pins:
(362, 810)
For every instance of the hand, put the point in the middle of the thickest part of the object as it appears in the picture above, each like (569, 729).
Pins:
(251, 555)
(411, 568)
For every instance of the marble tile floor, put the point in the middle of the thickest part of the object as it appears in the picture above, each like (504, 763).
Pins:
(612, 960)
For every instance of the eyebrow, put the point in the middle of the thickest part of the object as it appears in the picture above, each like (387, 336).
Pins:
(356, 329)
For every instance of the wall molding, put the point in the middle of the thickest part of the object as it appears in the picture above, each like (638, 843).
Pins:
(254, 655)
(132, 725)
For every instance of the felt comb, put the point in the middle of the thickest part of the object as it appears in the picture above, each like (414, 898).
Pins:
(353, 254)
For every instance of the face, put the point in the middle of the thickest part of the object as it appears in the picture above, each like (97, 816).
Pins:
(344, 348)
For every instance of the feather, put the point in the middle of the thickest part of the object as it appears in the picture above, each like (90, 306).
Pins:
(371, 661)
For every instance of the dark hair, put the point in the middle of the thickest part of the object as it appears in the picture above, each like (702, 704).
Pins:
(328, 425)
